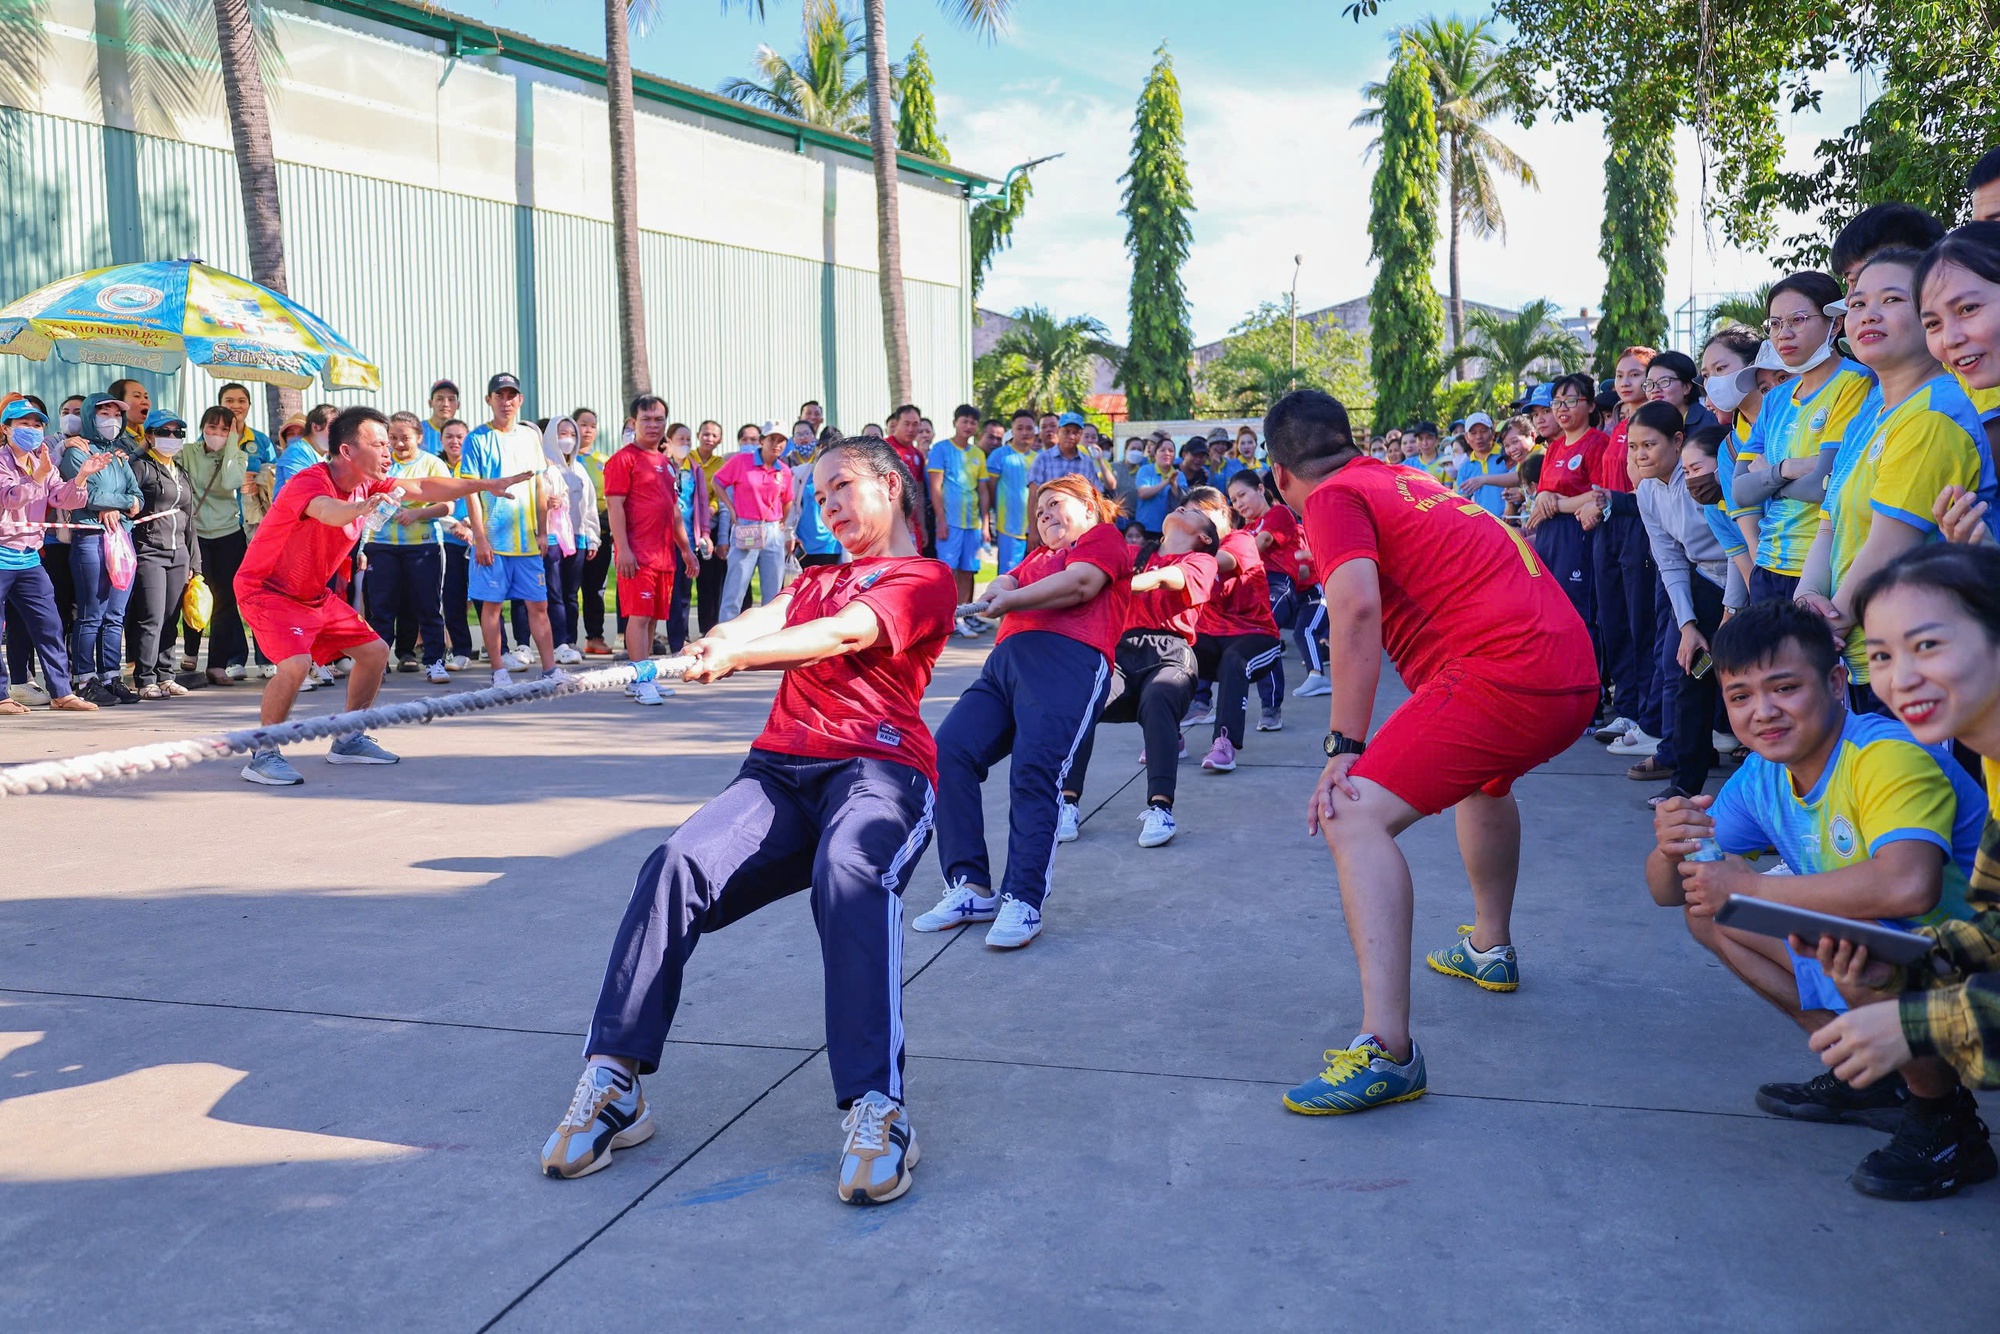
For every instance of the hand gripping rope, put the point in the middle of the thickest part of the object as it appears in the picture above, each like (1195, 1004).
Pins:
(106, 766)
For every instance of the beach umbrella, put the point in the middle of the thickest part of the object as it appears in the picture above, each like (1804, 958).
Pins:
(157, 315)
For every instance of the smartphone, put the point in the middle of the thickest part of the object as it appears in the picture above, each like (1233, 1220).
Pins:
(1701, 666)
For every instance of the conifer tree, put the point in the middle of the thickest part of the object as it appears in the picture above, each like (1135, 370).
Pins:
(1638, 223)
(1405, 317)
(1157, 370)
(916, 120)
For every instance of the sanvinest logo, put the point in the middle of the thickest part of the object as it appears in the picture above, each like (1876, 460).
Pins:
(129, 298)
(1843, 836)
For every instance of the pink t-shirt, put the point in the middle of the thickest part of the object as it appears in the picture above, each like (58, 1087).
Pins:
(758, 494)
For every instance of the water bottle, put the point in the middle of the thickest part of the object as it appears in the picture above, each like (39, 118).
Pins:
(1705, 850)
(382, 511)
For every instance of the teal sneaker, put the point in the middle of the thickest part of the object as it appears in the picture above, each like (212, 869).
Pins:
(1497, 969)
(1361, 1077)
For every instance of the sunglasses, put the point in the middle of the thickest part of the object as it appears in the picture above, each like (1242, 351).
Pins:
(173, 432)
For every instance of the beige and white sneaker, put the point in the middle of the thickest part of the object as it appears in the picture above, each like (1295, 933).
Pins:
(881, 1149)
(607, 1112)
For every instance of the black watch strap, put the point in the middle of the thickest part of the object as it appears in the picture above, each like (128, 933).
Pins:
(1338, 743)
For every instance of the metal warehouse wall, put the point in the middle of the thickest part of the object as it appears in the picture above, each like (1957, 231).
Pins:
(432, 283)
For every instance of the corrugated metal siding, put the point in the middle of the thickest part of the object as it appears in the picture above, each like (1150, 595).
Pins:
(431, 284)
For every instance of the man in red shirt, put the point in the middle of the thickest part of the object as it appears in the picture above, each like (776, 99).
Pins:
(646, 530)
(904, 424)
(1499, 683)
(308, 536)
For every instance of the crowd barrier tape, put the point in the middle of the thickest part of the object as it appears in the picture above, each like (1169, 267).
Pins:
(23, 780)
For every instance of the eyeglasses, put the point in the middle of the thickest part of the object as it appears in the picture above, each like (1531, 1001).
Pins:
(1661, 386)
(1778, 324)
(1566, 401)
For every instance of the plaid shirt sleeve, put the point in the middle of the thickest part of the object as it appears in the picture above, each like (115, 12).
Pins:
(1952, 1009)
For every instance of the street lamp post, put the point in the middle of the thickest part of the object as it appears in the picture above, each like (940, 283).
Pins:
(1297, 260)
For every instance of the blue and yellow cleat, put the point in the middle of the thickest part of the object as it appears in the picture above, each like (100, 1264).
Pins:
(1361, 1077)
(1498, 969)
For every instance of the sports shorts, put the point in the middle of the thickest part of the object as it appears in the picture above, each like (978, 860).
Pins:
(327, 629)
(508, 578)
(1460, 733)
(649, 592)
(960, 548)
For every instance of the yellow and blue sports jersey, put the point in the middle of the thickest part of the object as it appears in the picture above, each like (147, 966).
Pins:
(1879, 787)
(962, 470)
(1720, 516)
(513, 520)
(1986, 402)
(457, 506)
(1931, 440)
(1790, 429)
(424, 532)
(1009, 467)
(1492, 499)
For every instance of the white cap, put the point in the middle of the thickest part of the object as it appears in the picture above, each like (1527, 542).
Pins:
(1478, 419)
(771, 428)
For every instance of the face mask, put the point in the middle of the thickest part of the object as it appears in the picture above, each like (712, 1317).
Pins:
(629, 436)
(1723, 392)
(108, 426)
(1768, 358)
(72, 423)
(27, 437)
(1705, 490)
(1135, 456)
(215, 440)
(319, 441)
(567, 443)
(167, 446)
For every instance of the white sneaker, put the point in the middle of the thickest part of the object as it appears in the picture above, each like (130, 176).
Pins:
(1066, 830)
(1725, 742)
(457, 662)
(1157, 827)
(322, 675)
(567, 656)
(234, 673)
(267, 670)
(1616, 728)
(437, 675)
(959, 906)
(606, 1112)
(1314, 684)
(501, 677)
(1634, 742)
(1015, 925)
(30, 694)
(880, 1150)
(646, 692)
(966, 629)
(523, 656)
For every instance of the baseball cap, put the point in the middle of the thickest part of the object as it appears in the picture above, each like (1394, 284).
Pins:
(1070, 419)
(447, 384)
(772, 428)
(159, 417)
(1544, 396)
(18, 409)
(1478, 419)
(1460, 423)
(504, 380)
(1427, 428)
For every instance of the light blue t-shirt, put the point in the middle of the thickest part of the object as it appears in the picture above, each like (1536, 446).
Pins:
(812, 532)
(1151, 511)
(296, 458)
(961, 471)
(1493, 499)
(1010, 468)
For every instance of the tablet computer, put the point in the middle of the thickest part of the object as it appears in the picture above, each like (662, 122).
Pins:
(1766, 918)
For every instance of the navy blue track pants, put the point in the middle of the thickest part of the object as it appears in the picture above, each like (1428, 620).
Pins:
(851, 831)
(1626, 623)
(1037, 699)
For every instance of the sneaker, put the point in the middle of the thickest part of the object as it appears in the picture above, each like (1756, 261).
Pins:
(307, 686)
(960, 906)
(1270, 720)
(567, 656)
(1649, 770)
(1198, 713)
(235, 673)
(457, 662)
(647, 692)
(1634, 741)
(523, 657)
(966, 629)
(28, 693)
(153, 692)
(95, 693)
(321, 675)
(409, 665)
(358, 749)
(1616, 728)
(1725, 743)
(606, 1112)
(1826, 1099)
(1496, 969)
(596, 648)
(501, 677)
(1015, 925)
(269, 768)
(1314, 684)
(1156, 826)
(342, 666)
(1936, 1151)
(121, 692)
(437, 675)
(1221, 757)
(267, 670)
(880, 1150)
(1066, 830)
(1359, 1078)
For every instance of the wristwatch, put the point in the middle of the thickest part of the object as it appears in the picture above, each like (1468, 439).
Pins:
(1337, 743)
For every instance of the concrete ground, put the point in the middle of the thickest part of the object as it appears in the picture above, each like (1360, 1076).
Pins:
(285, 1059)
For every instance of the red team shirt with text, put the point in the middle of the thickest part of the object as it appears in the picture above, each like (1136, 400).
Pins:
(1567, 466)
(1458, 586)
(294, 556)
(1173, 610)
(648, 482)
(1241, 603)
(1610, 466)
(1097, 622)
(866, 704)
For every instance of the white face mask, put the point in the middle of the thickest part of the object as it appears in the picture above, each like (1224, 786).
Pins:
(1135, 456)
(319, 439)
(72, 423)
(214, 440)
(1723, 392)
(109, 425)
(166, 446)
(568, 444)
(1768, 358)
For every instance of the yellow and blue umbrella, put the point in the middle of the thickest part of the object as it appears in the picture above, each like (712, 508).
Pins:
(158, 315)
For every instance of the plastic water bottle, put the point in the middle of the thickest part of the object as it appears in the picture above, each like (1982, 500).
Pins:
(384, 509)
(1705, 850)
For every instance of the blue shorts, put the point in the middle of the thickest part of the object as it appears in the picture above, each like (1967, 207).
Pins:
(960, 548)
(1816, 989)
(518, 578)
(1013, 550)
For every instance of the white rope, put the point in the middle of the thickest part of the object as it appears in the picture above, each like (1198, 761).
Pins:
(107, 766)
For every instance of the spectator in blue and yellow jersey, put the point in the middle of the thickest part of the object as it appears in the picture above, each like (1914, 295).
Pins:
(406, 555)
(1782, 468)
(508, 528)
(1485, 474)
(1960, 280)
(444, 401)
(956, 469)
(1008, 470)
(1923, 436)
(1872, 825)
(1429, 456)
(1734, 388)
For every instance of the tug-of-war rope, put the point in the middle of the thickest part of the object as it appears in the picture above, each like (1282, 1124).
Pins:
(23, 780)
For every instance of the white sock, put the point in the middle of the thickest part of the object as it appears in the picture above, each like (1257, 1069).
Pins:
(623, 1077)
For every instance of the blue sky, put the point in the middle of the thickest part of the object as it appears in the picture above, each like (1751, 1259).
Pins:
(1269, 91)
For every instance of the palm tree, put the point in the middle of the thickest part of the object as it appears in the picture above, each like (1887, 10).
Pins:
(1748, 310)
(256, 165)
(815, 86)
(621, 19)
(1043, 364)
(1510, 344)
(1254, 380)
(1470, 88)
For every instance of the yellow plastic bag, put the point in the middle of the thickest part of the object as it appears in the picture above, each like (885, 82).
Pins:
(197, 604)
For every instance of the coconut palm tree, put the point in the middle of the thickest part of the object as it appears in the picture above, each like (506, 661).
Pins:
(622, 18)
(1510, 344)
(1747, 309)
(256, 164)
(1256, 379)
(1470, 89)
(817, 85)
(1043, 364)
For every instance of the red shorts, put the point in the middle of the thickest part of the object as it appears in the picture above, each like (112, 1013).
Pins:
(1460, 734)
(285, 628)
(648, 593)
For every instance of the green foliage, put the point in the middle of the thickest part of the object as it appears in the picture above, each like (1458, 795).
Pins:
(1461, 398)
(1747, 310)
(1638, 223)
(158, 58)
(1042, 364)
(916, 120)
(1404, 313)
(1510, 345)
(1158, 384)
(819, 85)
(992, 226)
(1255, 368)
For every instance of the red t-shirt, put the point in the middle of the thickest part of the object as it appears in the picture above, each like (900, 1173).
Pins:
(647, 480)
(1283, 526)
(914, 460)
(294, 556)
(1173, 610)
(1610, 467)
(1241, 603)
(1566, 466)
(1097, 622)
(865, 704)
(1458, 585)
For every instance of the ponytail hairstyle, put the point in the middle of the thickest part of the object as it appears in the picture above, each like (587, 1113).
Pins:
(1970, 574)
(1208, 498)
(1081, 491)
(1662, 417)
(1251, 477)
(878, 458)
